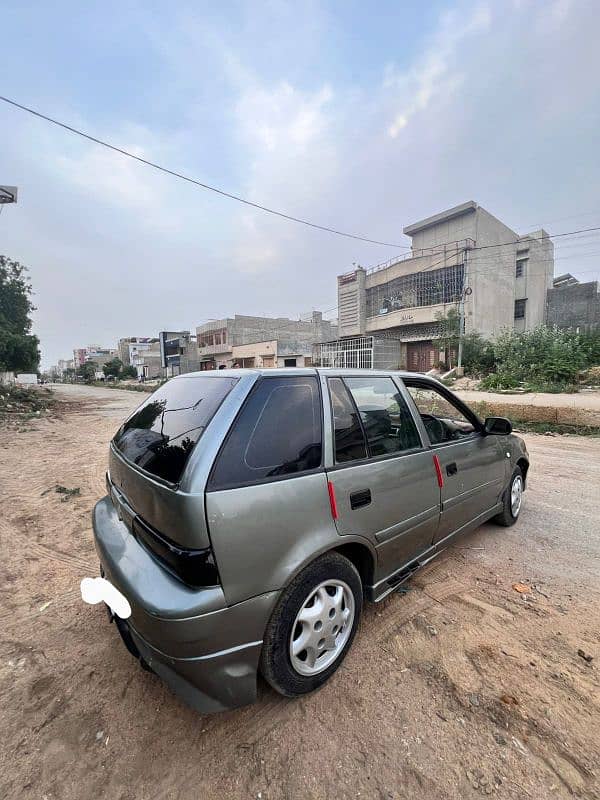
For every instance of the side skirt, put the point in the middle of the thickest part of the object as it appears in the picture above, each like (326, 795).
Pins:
(391, 582)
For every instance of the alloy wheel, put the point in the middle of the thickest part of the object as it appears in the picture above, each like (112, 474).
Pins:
(516, 495)
(322, 627)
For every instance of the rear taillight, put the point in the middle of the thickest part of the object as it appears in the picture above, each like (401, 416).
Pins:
(193, 567)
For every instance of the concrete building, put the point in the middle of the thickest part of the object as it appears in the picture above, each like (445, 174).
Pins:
(93, 352)
(273, 353)
(293, 339)
(131, 345)
(64, 364)
(79, 354)
(148, 362)
(574, 305)
(462, 252)
(179, 352)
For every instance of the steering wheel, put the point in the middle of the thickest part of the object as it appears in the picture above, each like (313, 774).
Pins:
(436, 430)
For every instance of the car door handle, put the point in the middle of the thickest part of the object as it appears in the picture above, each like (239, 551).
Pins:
(451, 469)
(360, 498)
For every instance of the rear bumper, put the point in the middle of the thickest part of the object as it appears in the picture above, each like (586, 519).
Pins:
(215, 682)
(206, 651)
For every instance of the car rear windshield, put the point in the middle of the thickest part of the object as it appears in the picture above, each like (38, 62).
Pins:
(160, 435)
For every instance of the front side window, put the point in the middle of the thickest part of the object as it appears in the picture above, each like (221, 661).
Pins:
(160, 435)
(443, 421)
(278, 433)
(349, 439)
(386, 419)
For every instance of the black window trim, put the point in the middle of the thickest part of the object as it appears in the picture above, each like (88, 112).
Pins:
(370, 459)
(273, 478)
(453, 400)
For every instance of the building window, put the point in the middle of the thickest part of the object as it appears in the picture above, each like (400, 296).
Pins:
(289, 362)
(520, 269)
(425, 288)
(520, 309)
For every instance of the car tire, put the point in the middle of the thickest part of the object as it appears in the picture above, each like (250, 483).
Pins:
(327, 595)
(512, 500)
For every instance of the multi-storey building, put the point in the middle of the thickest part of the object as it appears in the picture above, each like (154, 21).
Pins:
(93, 352)
(464, 253)
(275, 340)
(131, 345)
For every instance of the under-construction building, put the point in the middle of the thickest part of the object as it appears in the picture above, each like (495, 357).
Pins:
(463, 252)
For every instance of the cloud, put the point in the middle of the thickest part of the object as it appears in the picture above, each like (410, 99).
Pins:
(113, 180)
(498, 103)
(437, 71)
(288, 135)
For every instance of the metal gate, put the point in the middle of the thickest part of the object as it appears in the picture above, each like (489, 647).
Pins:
(420, 356)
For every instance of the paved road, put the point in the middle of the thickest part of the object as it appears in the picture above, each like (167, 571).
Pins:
(458, 689)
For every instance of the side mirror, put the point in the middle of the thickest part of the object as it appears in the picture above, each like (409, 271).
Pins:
(498, 426)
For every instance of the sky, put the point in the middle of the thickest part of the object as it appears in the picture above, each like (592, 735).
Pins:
(362, 117)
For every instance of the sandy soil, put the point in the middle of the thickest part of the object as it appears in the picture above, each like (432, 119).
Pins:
(460, 688)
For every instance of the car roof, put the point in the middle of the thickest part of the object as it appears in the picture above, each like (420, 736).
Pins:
(291, 371)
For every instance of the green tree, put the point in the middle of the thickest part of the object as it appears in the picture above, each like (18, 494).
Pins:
(449, 329)
(19, 348)
(113, 367)
(129, 372)
(87, 371)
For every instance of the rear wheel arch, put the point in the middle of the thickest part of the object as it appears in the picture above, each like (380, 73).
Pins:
(362, 558)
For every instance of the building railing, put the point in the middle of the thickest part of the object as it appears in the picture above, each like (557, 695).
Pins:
(449, 249)
(213, 349)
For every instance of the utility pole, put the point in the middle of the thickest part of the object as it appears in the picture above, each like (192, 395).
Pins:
(461, 317)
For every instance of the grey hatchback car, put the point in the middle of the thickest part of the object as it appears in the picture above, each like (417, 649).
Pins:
(249, 513)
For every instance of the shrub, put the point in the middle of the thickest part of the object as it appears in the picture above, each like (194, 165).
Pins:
(543, 359)
(478, 355)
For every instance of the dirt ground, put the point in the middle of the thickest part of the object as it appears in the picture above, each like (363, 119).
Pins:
(460, 688)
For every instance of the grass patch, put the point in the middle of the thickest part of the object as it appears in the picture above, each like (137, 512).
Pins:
(520, 426)
(128, 387)
(18, 405)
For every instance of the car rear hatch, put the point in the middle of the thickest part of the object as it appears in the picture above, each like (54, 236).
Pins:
(148, 457)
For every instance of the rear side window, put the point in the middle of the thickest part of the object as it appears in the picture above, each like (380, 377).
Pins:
(277, 433)
(348, 434)
(160, 435)
(388, 423)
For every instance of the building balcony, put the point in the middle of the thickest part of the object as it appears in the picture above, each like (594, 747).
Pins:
(214, 350)
(408, 316)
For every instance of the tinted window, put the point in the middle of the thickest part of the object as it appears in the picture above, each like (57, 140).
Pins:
(160, 435)
(278, 432)
(348, 434)
(442, 419)
(386, 419)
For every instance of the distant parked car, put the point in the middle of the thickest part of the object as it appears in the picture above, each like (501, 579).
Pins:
(249, 513)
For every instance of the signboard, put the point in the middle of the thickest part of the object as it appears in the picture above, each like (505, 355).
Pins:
(8, 194)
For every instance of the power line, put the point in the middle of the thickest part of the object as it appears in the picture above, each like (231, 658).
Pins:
(195, 182)
(561, 219)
